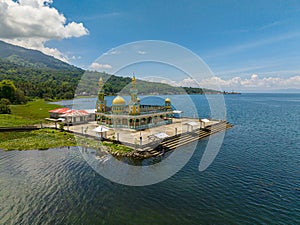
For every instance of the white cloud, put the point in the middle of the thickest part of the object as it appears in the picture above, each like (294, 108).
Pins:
(100, 67)
(188, 82)
(31, 23)
(74, 57)
(142, 52)
(170, 82)
(253, 83)
(112, 52)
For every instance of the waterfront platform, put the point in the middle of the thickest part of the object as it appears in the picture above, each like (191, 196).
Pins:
(158, 140)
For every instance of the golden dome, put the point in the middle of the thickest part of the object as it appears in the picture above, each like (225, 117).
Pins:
(118, 101)
(167, 100)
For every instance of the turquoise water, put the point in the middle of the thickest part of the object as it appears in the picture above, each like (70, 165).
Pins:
(255, 178)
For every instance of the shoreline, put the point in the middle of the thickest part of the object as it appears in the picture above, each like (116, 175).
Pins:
(51, 138)
(114, 95)
(26, 136)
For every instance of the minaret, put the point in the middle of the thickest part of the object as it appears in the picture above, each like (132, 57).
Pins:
(134, 105)
(101, 102)
(133, 90)
(168, 105)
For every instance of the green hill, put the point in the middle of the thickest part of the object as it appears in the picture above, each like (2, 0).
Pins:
(41, 76)
(31, 58)
(41, 82)
(116, 84)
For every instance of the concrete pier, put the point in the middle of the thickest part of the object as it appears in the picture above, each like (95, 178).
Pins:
(159, 140)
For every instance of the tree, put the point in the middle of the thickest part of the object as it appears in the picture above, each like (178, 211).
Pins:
(8, 90)
(20, 97)
(4, 106)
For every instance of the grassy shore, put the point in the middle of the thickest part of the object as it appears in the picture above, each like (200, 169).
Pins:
(8, 120)
(51, 138)
(110, 146)
(29, 114)
(36, 140)
(34, 112)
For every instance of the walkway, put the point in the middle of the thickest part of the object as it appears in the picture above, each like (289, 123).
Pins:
(185, 134)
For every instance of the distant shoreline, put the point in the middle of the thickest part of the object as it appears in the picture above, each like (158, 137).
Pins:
(221, 93)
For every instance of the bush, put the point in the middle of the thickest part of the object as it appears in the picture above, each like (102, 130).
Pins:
(5, 101)
(61, 126)
(4, 106)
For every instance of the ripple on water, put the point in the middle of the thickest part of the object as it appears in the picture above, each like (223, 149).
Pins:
(253, 180)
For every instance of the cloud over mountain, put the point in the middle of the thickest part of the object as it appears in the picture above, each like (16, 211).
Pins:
(31, 23)
(253, 83)
(100, 67)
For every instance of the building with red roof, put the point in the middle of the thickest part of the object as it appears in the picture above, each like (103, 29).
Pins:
(72, 116)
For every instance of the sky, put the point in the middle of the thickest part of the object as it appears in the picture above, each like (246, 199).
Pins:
(248, 45)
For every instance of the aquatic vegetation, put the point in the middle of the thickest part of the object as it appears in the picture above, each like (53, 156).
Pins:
(36, 140)
(50, 138)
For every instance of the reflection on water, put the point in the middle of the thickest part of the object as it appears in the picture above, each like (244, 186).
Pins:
(100, 157)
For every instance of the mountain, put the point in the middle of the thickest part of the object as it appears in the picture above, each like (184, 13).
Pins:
(31, 58)
(41, 76)
(41, 82)
(119, 84)
(38, 75)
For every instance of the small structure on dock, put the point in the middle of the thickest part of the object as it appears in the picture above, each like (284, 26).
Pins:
(158, 136)
(101, 131)
(205, 122)
(133, 115)
(71, 116)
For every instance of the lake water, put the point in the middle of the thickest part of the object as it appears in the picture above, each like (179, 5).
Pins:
(255, 178)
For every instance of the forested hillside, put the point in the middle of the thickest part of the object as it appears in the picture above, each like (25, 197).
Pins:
(41, 82)
(37, 75)
(117, 84)
(31, 58)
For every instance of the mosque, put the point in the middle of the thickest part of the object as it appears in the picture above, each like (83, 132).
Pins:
(133, 115)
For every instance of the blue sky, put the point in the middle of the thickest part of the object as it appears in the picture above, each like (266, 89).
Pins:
(235, 38)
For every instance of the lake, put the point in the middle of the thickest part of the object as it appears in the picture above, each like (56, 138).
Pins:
(255, 178)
